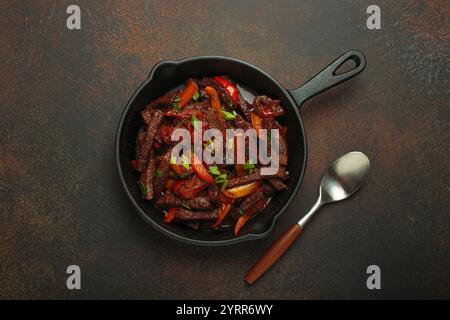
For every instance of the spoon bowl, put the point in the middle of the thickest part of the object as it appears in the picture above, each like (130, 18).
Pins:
(344, 177)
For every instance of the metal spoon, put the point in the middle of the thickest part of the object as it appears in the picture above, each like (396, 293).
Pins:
(343, 178)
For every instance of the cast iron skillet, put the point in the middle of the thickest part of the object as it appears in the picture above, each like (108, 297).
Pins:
(169, 74)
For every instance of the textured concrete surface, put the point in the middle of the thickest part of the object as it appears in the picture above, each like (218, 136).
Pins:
(62, 93)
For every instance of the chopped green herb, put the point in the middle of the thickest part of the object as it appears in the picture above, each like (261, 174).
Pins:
(144, 188)
(185, 162)
(175, 106)
(231, 103)
(207, 143)
(249, 166)
(214, 170)
(222, 179)
(195, 121)
(186, 206)
(228, 115)
(241, 211)
(224, 185)
(196, 96)
(158, 173)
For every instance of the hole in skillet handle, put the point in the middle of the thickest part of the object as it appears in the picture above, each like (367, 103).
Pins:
(163, 70)
(329, 77)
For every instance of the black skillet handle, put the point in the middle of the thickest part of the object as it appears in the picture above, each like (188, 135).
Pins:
(328, 78)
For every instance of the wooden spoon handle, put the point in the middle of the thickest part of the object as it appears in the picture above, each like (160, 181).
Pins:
(274, 253)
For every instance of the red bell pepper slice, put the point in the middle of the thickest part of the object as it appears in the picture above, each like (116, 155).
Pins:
(201, 171)
(224, 209)
(190, 187)
(242, 191)
(215, 104)
(230, 87)
(250, 213)
(221, 198)
(178, 184)
(256, 122)
(180, 170)
(169, 216)
(187, 94)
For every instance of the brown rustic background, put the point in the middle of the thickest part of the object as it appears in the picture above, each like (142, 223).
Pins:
(62, 93)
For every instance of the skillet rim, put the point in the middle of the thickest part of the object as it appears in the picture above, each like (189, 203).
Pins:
(238, 239)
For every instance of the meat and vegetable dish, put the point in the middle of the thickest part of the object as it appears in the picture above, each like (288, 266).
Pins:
(195, 193)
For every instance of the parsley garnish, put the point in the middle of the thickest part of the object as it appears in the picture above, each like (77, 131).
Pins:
(249, 166)
(223, 180)
(214, 170)
(185, 162)
(208, 144)
(158, 173)
(196, 96)
(186, 206)
(228, 115)
(144, 188)
(175, 106)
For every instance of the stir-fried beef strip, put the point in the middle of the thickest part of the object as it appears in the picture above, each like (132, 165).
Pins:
(236, 212)
(140, 139)
(277, 184)
(241, 123)
(200, 203)
(146, 179)
(255, 176)
(146, 116)
(148, 140)
(162, 173)
(168, 200)
(245, 107)
(198, 105)
(213, 192)
(251, 200)
(201, 195)
(268, 189)
(211, 117)
(192, 215)
(283, 152)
